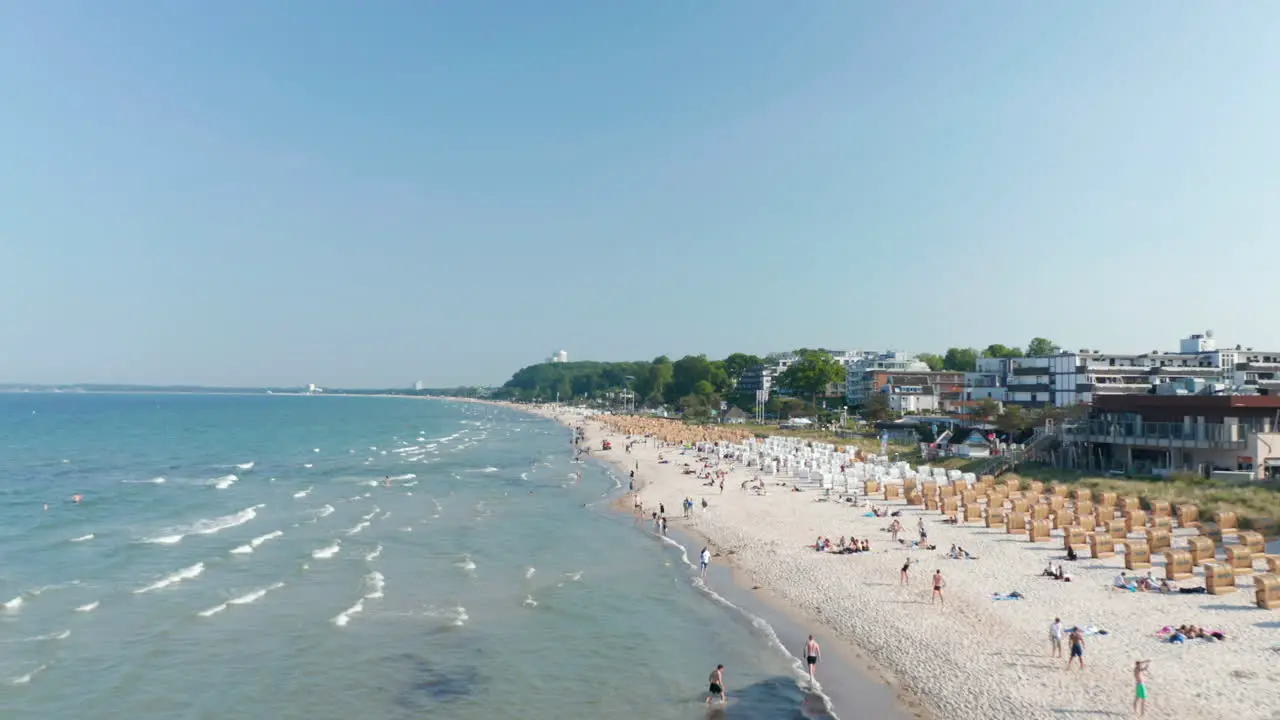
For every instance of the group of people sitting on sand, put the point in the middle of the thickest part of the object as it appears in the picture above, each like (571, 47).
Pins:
(958, 553)
(1184, 633)
(1056, 572)
(853, 545)
(1143, 584)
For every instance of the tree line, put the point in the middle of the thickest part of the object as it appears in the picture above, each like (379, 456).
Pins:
(692, 383)
(966, 359)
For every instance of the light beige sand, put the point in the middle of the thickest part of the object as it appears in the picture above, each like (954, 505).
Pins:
(975, 658)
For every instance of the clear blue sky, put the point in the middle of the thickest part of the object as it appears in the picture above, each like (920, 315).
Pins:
(372, 193)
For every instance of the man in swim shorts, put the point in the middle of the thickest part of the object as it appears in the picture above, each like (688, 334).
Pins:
(1140, 687)
(812, 652)
(717, 685)
(1076, 641)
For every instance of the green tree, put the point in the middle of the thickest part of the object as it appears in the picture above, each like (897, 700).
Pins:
(1040, 347)
(738, 363)
(987, 410)
(932, 360)
(811, 373)
(960, 360)
(876, 408)
(1013, 420)
(997, 350)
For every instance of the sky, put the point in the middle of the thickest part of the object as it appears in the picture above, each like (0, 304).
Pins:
(370, 194)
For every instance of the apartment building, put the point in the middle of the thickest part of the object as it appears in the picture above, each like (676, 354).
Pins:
(989, 381)
(1072, 378)
(861, 379)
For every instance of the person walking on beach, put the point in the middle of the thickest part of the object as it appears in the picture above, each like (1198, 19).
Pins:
(811, 655)
(1055, 638)
(938, 584)
(903, 578)
(717, 685)
(1076, 641)
(706, 560)
(1140, 687)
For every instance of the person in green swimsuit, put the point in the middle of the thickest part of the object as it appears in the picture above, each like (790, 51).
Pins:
(1140, 687)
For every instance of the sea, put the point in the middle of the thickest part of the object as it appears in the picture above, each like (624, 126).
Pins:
(282, 556)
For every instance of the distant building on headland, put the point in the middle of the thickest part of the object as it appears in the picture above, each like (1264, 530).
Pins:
(419, 386)
(313, 389)
(561, 356)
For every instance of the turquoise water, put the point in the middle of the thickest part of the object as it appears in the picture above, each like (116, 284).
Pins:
(242, 556)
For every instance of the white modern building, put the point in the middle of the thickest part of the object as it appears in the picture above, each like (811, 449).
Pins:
(419, 386)
(1198, 366)
(989, 381)
(560, 356)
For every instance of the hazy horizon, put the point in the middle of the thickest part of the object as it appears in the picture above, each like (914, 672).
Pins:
(249, 194)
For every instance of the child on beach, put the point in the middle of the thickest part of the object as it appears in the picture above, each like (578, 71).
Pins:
(1140, 687)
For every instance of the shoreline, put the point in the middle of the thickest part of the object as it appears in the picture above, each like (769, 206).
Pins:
(971, 656)
(756, 599)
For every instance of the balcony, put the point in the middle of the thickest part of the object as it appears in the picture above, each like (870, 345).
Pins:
(1030, 370)
(1160, 434)
(1121, 389)
(1104, 369)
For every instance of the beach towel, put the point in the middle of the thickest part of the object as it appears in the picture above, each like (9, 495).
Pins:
(1015, 595)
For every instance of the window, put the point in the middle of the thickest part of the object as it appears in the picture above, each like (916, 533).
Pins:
(1035, 398)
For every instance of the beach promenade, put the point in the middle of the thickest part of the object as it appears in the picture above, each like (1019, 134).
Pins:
(975, 657)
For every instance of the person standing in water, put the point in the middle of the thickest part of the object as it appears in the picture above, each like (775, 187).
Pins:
(1140, 687)
(716, 688)
(812, 653)
(706, 560)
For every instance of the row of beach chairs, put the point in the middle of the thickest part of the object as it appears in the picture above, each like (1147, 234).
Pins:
(1099, 522)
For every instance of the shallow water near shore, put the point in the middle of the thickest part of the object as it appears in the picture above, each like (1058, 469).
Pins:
(291, 557)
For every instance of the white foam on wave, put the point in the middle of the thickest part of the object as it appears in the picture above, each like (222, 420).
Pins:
(370, 483)
(344, 617)
(374, 555)
(529, 573)
(530, 602)
(466, 563)
(24, 679)
(304, 493)
(152, 481)
(254, 543)
(327, 552)
(524, 476)
(375, 582)
(385, 515)
(411, 448)
(224, 482)
(370, 515)
(255, 595)
(325, 511)
(173, 536)
(398, 478)
(358, 527)
(457, 616)
(411, 484)
(14, 604)
(83, 538)
(89, 607)
(186, 573)
(210, 612)
(245, 466)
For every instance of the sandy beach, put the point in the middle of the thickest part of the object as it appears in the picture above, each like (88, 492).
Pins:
(975, 657)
